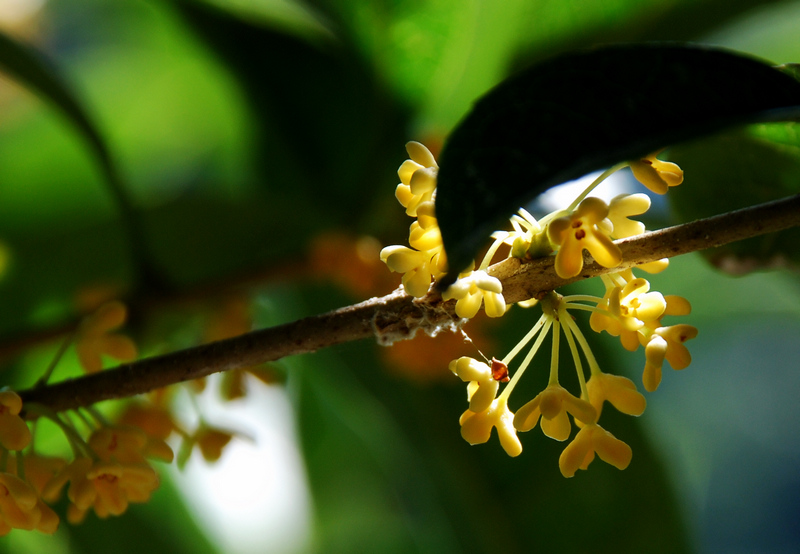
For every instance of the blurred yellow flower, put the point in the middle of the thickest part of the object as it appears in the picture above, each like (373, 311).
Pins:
(14, 432)
(107, 486)
(20, 507)
(95, 339)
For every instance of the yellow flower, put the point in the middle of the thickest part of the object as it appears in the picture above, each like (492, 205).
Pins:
(476, 428)
(211, 442)
(415, 266)
(677, 354)
(632, 313)
(657, 175)
(425, 263)
(654, 267)
(621, 208)
(128, 445)
(156, 421)
(619, 391)
(95, 340)
(473, 289)
(418, 178)
(424, 234)
(107, 486)
(40, 469)
(654, 351)
(666, 343)
(579, 231)
(593, 439)
(553, 404)
(633, 305)
(21, 507)
(14, 432)
(482, 387)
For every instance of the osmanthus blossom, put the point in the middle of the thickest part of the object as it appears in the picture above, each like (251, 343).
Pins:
(22, 508)
(476, 427)
(666, 343)
(113, 474)
(212, 441)
(14, 432)
(96, 339)
(593, 439)
(128, 444)
(425, 261)
(634, 314)
(108, 487)
(621, 208)
(473, 289)
(628, 309)
(482, 387)
(617, 390)
(581, 231)
(417, 178)
(110, 470)
(657, 175)
(553, 404)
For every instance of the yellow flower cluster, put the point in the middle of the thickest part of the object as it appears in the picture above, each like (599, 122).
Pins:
(113, 474)
(554, 405)
(425, 261)
(628, 309)
(111, 466)
(21, 505)
(110, 470)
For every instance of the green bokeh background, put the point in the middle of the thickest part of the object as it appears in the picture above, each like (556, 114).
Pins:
(245, 129)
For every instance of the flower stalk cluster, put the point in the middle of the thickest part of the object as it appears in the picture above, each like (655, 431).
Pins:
(628, 309)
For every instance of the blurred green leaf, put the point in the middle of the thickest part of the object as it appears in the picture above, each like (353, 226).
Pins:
(330, 131)
(34, 71)
(30, 68)
(738, 169)
(585, 111)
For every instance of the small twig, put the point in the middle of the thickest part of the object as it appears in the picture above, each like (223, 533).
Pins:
(398, 315)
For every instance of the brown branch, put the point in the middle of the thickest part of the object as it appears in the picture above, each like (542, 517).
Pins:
(397, 315)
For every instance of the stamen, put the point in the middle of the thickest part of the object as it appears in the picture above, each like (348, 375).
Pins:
(548, 321)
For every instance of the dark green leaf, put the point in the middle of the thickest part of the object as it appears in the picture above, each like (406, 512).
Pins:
(586, 111)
